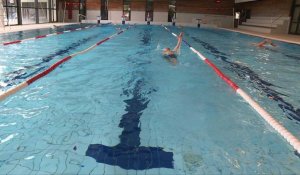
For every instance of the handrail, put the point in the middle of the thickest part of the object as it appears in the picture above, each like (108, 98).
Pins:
(79, 17)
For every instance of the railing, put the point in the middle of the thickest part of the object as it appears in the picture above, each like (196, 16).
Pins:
(79, 17)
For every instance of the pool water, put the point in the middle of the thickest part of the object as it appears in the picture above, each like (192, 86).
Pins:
(37, 32)
(123, 109)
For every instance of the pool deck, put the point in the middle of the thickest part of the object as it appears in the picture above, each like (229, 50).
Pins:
(8, 29)
(295, 39)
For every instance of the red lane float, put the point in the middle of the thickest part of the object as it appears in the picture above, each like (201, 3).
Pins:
(100, 42)
(44, 36)
(47, 71)
(51, 68)
(288, 136)
(222, 75)
(41, 36)
(12, 42)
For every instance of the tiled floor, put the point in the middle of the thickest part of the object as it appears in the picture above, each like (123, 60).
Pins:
(295, 39)
(8, 29)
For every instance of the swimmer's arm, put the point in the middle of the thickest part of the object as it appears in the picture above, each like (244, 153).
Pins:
(261, 44)
(177, 47)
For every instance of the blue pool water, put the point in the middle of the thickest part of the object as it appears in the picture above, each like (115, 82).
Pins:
(36, 32)
(122, 109)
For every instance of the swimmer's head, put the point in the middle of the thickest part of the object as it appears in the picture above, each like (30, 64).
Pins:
(167, 49)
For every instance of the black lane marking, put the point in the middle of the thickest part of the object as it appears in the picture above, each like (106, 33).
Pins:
(128, 154)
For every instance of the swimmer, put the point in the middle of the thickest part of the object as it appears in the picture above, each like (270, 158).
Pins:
(264, 42)
(54, 27)
(171, 55)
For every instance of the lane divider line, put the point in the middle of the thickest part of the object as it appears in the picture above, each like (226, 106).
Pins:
(288, 136)
(31, 80)
(44, 36)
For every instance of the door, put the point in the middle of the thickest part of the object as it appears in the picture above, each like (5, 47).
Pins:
(295, 22)
(104, 9)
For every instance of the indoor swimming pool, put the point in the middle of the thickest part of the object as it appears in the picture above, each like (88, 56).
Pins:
(121, 108)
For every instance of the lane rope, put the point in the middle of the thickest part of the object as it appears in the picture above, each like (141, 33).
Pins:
(51, 34)
(288, 136)
(31, 80)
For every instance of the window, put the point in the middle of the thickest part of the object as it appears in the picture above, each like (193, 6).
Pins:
(10, 12)
(43, 11)
(172, 10)
(82, 10)
(126, 9)
(295, 21)
(29, 11)
(104, 9)
(149, 10)
(53, 11)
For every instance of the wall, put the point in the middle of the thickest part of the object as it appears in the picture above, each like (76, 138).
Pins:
(239, 1)
(138, 10)
(93, 9)
(225, 7)
(217, 14)
(160, 11)
(210, 12)
(92, 14)
(267, 8)
(190, 19)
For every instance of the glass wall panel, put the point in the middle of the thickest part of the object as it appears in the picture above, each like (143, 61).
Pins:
(149, 10)
(296, 14)
(104, 9)
(28, 11)
(53, 8)
(293, 28)
(53, 18)
(295, 21)
(43, 15)
(10, 12)
(172, 10)
(10, 2)
(12, 16)
(43, 7)
(126, 9)
(28, 15)
(27, 3)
